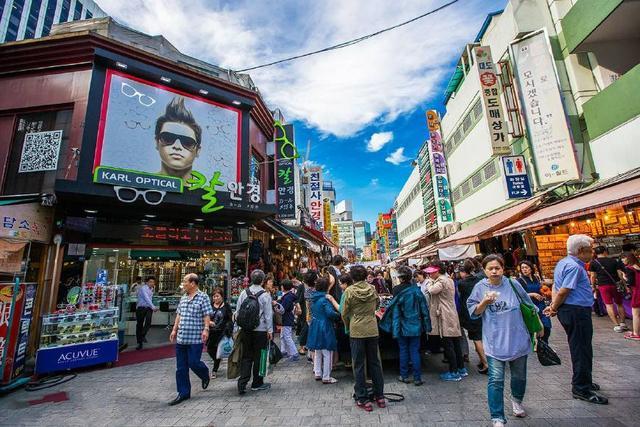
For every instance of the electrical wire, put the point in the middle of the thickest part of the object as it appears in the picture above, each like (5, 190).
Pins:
(350, 42)
(50, 381)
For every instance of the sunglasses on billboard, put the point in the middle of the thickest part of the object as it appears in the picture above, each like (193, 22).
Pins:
(130, 195)
(169, 138)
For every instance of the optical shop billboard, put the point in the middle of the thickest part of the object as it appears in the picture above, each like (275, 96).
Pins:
(156, 138)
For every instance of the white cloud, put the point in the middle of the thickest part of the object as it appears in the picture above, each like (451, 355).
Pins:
(374, 182)
(397, 157)
(339, 92)
(379, 140)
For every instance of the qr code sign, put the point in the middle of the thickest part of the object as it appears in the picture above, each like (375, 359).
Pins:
(40, 151)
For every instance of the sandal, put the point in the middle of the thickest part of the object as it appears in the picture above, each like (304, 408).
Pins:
(330, 380)
(592, 398)
(632, 337)
(381, 402)
(367, 406)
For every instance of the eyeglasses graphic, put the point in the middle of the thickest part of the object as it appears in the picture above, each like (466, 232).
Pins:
(169, 138)
(130, 195)
(130, 91)
(132, 124)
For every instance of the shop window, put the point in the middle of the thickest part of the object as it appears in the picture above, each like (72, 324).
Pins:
(77, 13)
(40, 152)
(255, 170)
(89, 15)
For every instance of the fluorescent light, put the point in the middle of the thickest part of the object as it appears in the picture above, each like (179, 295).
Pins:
(149, 215)
(240, 222)
(198, 219)
(121, 65)
(91, 211)
(144, 220)
(236, 102)
(165, 79)
(204, 92)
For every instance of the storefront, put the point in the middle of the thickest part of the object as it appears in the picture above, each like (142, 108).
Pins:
(154, 165)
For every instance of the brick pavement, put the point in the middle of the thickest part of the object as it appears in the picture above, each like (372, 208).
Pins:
(138, 395)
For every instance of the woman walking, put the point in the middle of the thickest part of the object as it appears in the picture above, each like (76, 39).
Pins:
(221, 325)
(322, 335)
(473, 326)
(533, 287)
(632, 273)
(444, 321)
(505, 336)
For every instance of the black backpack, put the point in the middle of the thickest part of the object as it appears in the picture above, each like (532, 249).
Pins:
(249, 313)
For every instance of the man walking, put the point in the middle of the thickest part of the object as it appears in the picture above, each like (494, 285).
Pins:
(144, 310)
(190, 330)
(572, 302)
(255, 316)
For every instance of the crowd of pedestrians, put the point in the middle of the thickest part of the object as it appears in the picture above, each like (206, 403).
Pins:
(336, 318)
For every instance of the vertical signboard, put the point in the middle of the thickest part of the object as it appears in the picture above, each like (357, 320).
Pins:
(22, 341)
(326, 207)
(9, 332)
(516, 177)
(439, 177)
(285, 171)
(314, 196)
(544, 112)
(491, 101)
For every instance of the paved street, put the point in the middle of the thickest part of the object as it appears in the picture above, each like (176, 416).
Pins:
(137, 395)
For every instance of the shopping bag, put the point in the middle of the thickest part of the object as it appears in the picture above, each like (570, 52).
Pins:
(546, 355)
(225, 347)
(235, 359)
(264, 361)
(274, 353)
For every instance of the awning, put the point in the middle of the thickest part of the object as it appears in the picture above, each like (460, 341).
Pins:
(319, 236)
(484, 227)
(617, 195)
(19, 199)
(288, 232)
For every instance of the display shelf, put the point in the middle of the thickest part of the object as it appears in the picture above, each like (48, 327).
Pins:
(63, 329)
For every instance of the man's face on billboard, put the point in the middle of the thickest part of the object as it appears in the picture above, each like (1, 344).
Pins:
(177, 146)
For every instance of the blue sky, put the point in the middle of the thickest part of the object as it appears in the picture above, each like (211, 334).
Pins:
(362, 107)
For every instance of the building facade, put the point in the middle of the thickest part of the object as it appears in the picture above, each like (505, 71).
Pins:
(410, 212)
(28, 19)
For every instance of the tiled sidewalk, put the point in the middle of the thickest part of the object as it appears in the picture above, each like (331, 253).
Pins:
(138, 395)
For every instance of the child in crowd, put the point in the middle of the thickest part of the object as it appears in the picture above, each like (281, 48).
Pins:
(322, 335)
(288, 301)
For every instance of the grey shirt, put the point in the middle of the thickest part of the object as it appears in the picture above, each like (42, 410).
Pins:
(266, 311)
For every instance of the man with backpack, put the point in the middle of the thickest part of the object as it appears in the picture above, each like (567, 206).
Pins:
(255, 316)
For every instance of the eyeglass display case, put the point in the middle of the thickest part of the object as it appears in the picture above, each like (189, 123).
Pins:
(76, 340)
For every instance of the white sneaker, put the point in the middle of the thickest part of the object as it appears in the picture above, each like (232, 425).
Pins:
(624, 326)
(619, 328)
(498, 423)
(518, 410)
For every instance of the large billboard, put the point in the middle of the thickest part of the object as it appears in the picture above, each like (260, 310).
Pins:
(547, 125)
(153, 136)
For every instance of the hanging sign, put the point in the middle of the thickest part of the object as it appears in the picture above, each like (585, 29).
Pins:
(549, 133)
(516, 177)
(490, 95)
(439, 174)
(29, 221)
(314, 196)
(286, 153)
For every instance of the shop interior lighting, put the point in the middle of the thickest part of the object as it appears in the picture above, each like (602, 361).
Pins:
(272, 236)
(165, 79)
(573, 224)
(144, 220)
(588, 221)
(630, 213)
(121, 65)
(199, 219)
(236, 102)
(240, 222)
(204, 92)
(116, 250)
(289, 247)
(91, 211)
(150, 215)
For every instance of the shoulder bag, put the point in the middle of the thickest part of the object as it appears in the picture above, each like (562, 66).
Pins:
(621, 285)
(529, 313)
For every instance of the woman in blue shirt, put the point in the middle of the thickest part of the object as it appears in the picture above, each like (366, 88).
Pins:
(532, 286)
(505, 337)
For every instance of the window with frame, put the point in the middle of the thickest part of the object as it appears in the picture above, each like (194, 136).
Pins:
(40, 150)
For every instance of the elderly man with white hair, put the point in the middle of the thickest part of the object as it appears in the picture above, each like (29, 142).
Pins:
(572, 302)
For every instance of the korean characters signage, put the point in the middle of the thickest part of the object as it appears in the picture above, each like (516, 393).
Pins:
(190, 235)
(544, 112)
(439, 176)
(14, 333)
(29, 221)
(314, 195)
(490, 95)
(326, 206)
(285, 171)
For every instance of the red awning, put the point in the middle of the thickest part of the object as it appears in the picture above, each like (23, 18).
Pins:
(617, 195)
(319, 236)
(484, 227)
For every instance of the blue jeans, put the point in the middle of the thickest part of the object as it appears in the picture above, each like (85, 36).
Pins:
(188, 356)
(495, 388)
(410, 350)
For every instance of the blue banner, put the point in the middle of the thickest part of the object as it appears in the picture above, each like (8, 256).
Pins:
(75, 356)
(516, 177)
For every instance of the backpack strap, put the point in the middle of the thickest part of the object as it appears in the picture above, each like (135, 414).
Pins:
(249, 294)
(260, 293)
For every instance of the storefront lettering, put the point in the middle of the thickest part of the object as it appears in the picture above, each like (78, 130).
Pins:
(82, 354)
(199, 181)
(112, 177)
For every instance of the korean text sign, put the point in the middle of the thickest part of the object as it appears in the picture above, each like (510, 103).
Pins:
(285, 171)
(440, 179)
(549, 132)
(314, 195)
(490, 95)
